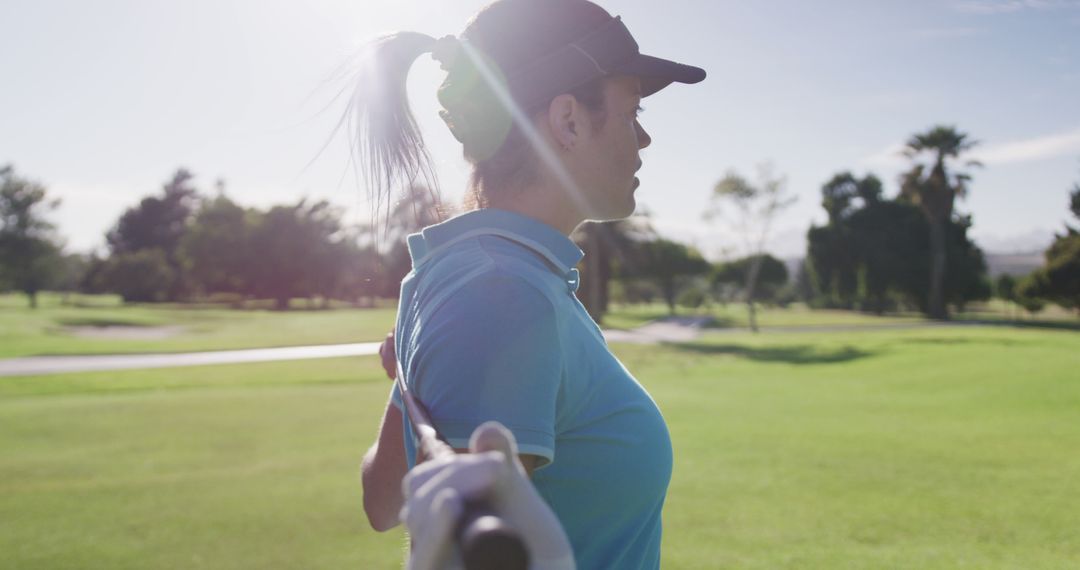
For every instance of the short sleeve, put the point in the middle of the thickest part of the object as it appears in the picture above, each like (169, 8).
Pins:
(492, 352)
(395, 397)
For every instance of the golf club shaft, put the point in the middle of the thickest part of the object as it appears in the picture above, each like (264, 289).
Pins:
(486, 541)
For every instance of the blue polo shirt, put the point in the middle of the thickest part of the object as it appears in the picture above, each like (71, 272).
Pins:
(489, 328)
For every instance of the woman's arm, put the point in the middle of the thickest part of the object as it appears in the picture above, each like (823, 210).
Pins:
(384, 465)
(382, 470)
(435, 492)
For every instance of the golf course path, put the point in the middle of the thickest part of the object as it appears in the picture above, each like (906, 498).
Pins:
(672, 329)
(38, 365)
(651, 333)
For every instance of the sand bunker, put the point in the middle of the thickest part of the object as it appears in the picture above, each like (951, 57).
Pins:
(121, 332)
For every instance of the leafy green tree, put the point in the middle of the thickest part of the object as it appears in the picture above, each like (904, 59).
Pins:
(357, 271)
(1074, 201)
(668, 264)
(92, 278)
(216, 246)
(1028, 294)
(418, 208)
(804, 283)
(608, 245)
(891, 250)
(30, 258)
(839, 195)
(967, 266)
(832, 249)
(159, 223)
(292, 252)
(329, 251)
(70, 271)
(628, 289)
(772, 276)
(755, 210)
(1058, 280)
(142, 276)
(1005, 287)
(875, 252)
(831, 255)
(692, 297)
(933, 186)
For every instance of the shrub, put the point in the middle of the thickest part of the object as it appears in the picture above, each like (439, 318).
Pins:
(141, 276)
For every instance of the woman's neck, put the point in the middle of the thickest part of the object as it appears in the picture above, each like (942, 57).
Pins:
(542, 203)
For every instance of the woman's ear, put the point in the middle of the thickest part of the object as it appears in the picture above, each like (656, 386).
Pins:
(563, 118)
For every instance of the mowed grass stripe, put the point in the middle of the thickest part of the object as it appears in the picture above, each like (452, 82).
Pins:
(216, 476)
(919, 449)
(939, 448)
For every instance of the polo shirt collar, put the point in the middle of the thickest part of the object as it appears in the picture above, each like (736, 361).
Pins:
(545, 240)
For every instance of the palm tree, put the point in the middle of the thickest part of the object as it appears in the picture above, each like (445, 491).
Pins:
(934, 186)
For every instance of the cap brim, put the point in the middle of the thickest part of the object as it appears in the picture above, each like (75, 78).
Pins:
(657, 73)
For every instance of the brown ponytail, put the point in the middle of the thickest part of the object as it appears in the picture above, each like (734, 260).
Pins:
(507, 34)
(387, 139)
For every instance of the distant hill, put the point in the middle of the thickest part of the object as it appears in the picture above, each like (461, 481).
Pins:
(1015, 264)
(792, 264)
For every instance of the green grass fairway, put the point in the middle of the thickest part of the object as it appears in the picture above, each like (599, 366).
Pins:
(939, 448)
(252, 466)
(48, 329)
(735, 315)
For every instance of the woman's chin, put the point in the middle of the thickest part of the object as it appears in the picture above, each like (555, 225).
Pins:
(629, 209)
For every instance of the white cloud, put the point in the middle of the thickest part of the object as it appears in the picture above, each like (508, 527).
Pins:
(947, 33)
(1029, 150)
(890, 157)
(1025, 150)
(1010, 6)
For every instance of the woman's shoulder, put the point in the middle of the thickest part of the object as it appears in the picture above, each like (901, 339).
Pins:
(492, 261)
(503, 290)
(496, 310)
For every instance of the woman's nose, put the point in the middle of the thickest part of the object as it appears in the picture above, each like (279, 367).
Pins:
(643, 137)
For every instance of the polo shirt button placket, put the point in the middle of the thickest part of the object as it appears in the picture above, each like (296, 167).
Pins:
(573, 279)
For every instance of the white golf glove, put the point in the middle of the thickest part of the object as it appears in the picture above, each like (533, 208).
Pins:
(434, 500)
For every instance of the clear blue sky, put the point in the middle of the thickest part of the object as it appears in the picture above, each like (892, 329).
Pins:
(103, 100)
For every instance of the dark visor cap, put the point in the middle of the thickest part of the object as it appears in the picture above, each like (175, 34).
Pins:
(608, 50)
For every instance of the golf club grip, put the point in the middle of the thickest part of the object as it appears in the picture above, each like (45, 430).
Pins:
(487, 542)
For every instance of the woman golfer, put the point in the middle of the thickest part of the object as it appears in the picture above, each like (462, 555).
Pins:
(544, 96)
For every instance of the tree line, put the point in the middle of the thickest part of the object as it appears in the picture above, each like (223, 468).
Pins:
(875, 253)
(183, 245)
(1058, 280)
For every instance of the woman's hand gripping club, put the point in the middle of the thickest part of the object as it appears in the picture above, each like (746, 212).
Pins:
(447, 502)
